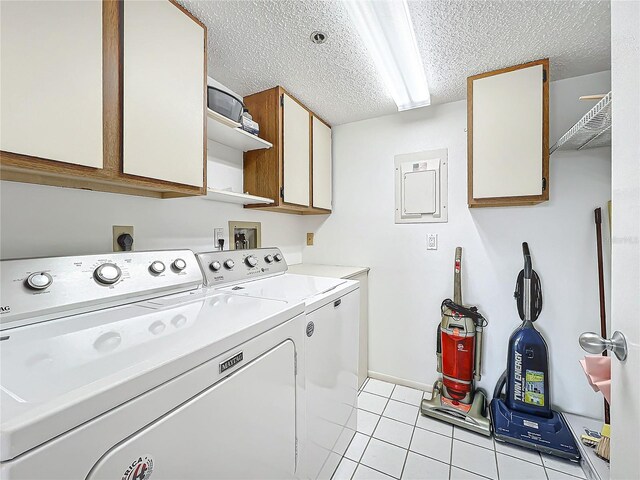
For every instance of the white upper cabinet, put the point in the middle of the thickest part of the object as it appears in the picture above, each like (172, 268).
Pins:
(51, 81)
(321, 164)
(508, 136)
(296, 146)
(164, 93)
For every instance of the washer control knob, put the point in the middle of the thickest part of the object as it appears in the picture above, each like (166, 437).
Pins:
(215, 266)
(179, 264)
(251, 261)
(277, 257)
(107, 273)
(229, 264)
(39, 281)
(157, 267)
(268, 258)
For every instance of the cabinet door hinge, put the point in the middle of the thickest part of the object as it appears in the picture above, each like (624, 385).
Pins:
(282, 193)
(544, 75)
(282, 100)
(544, 184)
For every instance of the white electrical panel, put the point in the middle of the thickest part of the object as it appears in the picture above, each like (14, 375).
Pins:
(421, 187)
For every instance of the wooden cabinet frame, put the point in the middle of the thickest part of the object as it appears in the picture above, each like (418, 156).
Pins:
(109, 178)
(264, 169)
(519, 200)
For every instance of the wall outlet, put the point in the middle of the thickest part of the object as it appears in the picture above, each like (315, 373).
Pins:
(218, 233)
(432, 241)
(309, 238)
(119, 230)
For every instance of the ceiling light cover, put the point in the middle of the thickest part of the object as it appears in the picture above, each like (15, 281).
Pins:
(386, 29)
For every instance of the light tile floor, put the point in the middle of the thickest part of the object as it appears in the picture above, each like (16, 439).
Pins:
(394, 441)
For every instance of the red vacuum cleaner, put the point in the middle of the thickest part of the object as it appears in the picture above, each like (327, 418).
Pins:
(459, 352)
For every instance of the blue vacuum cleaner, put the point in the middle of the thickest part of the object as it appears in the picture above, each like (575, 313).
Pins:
(524, 416)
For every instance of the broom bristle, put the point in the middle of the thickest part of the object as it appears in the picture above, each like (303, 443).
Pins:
(602, 450)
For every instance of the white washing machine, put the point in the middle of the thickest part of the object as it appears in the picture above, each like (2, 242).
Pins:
(331, 349)
(185, 383)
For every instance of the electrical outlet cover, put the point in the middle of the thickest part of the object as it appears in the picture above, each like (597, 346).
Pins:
(432, 241)
(217, 234)
(309, 239)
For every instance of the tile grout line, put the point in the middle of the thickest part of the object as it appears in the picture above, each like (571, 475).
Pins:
(453, 432)
(495, 454)
(521, 459)
(560, 471)
(372, 432)
(406, 456)
(375, 470)
(473, 473)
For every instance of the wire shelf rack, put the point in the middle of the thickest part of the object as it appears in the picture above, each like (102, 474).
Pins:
(591, 131)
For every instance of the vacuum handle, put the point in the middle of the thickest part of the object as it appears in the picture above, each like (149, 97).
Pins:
(457, 282)
(478, 354)
(527, 260)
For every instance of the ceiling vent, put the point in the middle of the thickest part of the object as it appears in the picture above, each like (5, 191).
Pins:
(318, 37)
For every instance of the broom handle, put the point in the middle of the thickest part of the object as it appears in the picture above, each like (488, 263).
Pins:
(457, 287)
(603, 314)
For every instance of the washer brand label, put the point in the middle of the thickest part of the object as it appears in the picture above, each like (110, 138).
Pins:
(230, 362)
(5, 309)
(310, 328)
(140, 469)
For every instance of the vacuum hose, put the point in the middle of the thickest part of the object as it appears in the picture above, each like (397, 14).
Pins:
(500, 385)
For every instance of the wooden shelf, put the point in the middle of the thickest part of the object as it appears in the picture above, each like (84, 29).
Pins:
(227, 132)
(228, 196)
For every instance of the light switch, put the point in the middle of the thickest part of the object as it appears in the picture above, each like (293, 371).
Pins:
(420, 192)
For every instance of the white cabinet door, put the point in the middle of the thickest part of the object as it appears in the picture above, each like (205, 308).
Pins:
(296, 152)
(507, 134)
(164, 93)
(51, 81)
(321, 165)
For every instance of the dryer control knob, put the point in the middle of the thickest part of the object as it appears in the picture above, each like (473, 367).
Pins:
(268, 258)
(107, 273)
(179, 264)
(157, 267)
(277, 257)
(215, 266)
(39, 281)
(251, 261)
(229, 264)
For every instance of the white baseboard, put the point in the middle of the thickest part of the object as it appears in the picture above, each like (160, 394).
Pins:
(400, 381)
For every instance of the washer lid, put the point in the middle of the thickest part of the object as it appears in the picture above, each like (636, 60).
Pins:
(59, 374)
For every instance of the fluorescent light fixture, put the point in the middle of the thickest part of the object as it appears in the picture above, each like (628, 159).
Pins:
(386, 29)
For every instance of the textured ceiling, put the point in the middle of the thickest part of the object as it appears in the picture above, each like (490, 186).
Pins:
(255, 45)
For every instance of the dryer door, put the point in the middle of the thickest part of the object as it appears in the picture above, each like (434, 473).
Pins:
(241, 427)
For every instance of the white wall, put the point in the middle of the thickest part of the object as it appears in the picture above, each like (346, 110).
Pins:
(45, 221)
(408, 283)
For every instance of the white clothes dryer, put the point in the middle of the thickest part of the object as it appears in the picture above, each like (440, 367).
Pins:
(331, 347)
